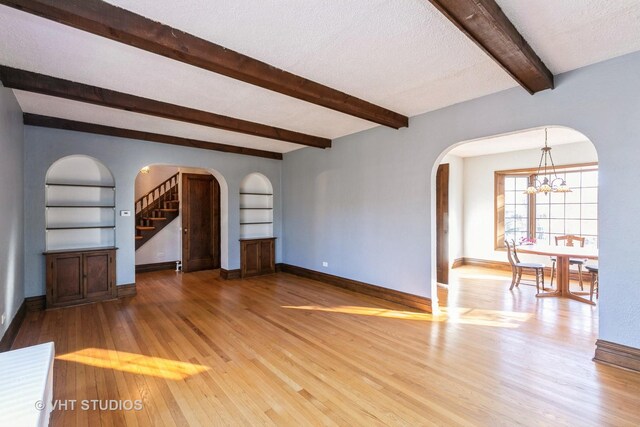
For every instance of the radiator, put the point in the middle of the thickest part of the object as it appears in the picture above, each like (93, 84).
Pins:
(26, 386)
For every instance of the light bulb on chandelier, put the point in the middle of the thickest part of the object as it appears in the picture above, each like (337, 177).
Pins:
(547, 184)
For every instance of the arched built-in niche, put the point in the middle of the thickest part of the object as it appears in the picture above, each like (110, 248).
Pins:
(80, 204)
(256, 207)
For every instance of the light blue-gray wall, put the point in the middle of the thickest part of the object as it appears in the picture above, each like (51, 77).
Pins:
(124, 157)
(11, 207)
(366, 205)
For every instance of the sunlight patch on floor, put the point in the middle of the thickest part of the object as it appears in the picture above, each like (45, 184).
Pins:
(134, 363)
(471, 276)
(460, 315)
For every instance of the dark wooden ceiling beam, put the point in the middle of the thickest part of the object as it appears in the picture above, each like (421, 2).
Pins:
(47, 85)
(103, 19)
(484, 22)
(57, 123)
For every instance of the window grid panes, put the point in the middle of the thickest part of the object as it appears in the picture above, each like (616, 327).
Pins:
(516, 207)
(559, 214)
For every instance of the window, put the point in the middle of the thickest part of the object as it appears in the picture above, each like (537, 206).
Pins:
(544, 217)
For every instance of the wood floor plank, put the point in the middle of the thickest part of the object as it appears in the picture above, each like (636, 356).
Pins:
(284, 350)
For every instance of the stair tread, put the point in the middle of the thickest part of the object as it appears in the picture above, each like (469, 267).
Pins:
(139, 237)
(169, 210)
(140, 227)
(154, 218)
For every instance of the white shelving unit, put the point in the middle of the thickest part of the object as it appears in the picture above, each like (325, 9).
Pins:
(256, 207)
(80, 205)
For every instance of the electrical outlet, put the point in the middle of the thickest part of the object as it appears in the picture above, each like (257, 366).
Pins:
(4, 316)
(325, 264)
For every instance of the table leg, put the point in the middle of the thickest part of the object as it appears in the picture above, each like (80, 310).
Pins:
(557, 293)
(562, 269)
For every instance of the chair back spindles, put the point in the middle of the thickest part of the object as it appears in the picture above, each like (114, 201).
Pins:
(569, 240)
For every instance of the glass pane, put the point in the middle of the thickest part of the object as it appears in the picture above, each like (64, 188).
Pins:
(542, 211)
(542, 226)
(589, 195)
(572, 211)
(509, 197)
(590, 179)
(591, 241)
(522, 211)
(589, 226)
(521, 198)
(590, 211)
(573, 197)
(557, 226)
(557, 211)
(573, 179)
(543, 239)
(572, 226)
(542, 198)
(522, 183)
(556, 198)
(509, 211)
(521, 236)
(509, 183)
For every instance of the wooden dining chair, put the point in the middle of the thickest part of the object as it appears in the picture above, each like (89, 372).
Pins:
(595, 283)
(517, 267)
(569, 240)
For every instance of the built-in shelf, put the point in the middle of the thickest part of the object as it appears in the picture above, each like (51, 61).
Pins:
(80, 205)
(80, 185)
(92, 249)
(256, 207)
(81, 228)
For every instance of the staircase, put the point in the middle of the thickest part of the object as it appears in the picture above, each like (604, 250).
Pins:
(156, 210)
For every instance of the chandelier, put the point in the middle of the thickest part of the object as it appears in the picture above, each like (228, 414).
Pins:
(546, 182)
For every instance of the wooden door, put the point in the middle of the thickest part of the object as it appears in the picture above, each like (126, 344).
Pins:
(98, 274)
(442, 223)
(65, 275)
(200, 222)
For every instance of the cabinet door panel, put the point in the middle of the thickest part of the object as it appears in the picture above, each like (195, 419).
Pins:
(97, 274)
(66, 272)
(251, 258)
(267, 263)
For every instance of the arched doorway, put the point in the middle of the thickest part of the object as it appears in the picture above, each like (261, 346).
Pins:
(181, 218)
(487, 204)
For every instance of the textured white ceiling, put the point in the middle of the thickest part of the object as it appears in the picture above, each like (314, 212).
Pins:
(525, 140)
(403, 55)
(73, 110)
(569, 34)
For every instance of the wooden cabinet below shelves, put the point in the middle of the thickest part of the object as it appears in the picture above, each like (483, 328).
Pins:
(79, 276)
(257, 256)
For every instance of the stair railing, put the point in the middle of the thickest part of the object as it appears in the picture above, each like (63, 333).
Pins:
(157, 198)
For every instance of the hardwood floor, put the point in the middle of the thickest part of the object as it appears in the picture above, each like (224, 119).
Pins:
(284, 350)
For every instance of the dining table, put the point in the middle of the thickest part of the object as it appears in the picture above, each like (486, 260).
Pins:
(562, 254)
